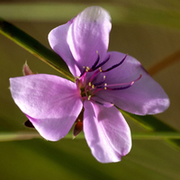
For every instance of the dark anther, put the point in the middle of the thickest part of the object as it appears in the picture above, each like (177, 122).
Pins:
(96, 62)
(116, 65)
(120, 88)
(104, 62)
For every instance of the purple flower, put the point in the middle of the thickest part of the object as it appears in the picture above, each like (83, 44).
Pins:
(103, 80)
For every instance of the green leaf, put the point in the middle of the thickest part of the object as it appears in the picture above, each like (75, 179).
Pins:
(154, 124)
(35, 47)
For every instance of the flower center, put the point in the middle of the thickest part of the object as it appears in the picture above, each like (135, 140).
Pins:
(93, 79)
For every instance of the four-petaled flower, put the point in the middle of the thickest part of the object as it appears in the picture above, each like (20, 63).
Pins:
(103, 80)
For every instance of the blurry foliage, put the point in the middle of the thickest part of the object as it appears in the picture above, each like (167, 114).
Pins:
(148, 30)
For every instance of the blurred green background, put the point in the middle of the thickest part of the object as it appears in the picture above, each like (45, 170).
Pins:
(149, 30)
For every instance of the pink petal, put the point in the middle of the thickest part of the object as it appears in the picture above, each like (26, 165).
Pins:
(88, 34)
(106, 132)
(78, 41)
(145, 96)
(58, 41)
(51, 103)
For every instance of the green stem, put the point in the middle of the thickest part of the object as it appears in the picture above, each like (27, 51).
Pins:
(15, 136)
(153, 124)
(156, 135)
(35, 48)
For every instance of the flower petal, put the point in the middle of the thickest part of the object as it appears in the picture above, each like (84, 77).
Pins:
(58, 42)
(106, 132)
(88, 34)
(145, 96)
(51, 103)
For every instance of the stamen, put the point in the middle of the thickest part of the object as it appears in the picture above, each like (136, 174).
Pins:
(93, 76)
(84, 70)
(116, 65)
(89, 88)
(82, 79)
(87, 69)
(86, 89)
(129, 84)
(101, 82)
(105, 104)
(89, 97)
(100, 69)
(96, 62)
(119, 88)
(97, 90)
(104, 62)
(105, 86)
